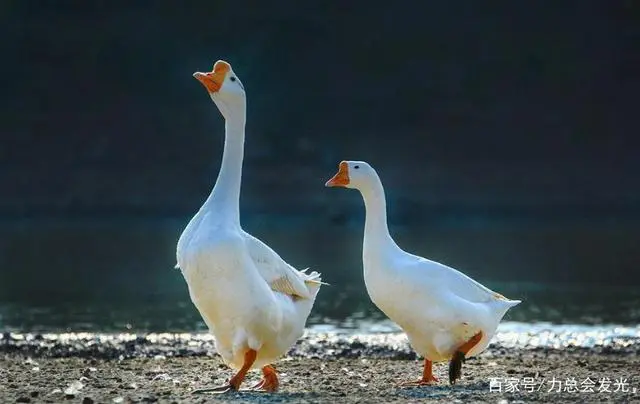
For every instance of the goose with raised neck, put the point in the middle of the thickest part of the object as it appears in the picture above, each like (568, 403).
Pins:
(254, 303)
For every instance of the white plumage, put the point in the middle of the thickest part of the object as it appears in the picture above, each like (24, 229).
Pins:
(249, 297)
(443, 312)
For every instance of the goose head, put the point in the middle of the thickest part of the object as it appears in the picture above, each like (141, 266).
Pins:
(352, 174)
(224, 87)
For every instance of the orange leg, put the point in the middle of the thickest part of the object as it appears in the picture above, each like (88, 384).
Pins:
(427, 376)
(269, 382)
(235, 381)
(455, 366)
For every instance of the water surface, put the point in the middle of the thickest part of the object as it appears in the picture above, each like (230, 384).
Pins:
(117, 275)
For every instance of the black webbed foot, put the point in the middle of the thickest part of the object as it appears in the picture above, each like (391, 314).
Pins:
(455, 366)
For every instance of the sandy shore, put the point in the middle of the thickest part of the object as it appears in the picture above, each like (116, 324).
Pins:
(88, 373)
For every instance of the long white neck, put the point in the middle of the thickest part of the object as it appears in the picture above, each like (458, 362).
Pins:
(377, 239)
(225, 196)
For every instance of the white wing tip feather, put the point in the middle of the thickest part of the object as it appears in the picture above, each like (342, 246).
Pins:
(507, 302)
(316, 282)
(313, 278)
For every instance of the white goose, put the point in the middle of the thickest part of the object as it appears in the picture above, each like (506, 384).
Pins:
(445, 314)
(254, 303)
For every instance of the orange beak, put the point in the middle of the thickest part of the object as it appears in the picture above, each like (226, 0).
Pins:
(213, 80)
(341, 179)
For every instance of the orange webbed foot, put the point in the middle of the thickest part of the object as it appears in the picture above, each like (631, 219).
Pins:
(235, 382)
(269, 382)
(427, 377)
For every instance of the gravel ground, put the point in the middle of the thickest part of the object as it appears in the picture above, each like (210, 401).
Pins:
(168, 380)
(92, 368)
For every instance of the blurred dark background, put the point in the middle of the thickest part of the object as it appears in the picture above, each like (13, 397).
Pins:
(506, 134)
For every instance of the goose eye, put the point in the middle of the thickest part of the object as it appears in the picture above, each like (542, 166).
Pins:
(356, 167)
(232, 79)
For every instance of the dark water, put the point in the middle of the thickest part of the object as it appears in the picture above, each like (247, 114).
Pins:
(117, 274)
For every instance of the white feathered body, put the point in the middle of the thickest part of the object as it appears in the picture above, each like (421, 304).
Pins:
(438, 307)
(247, 295)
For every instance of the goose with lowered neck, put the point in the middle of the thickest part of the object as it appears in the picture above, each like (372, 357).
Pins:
(445, 314)
(254, 303)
